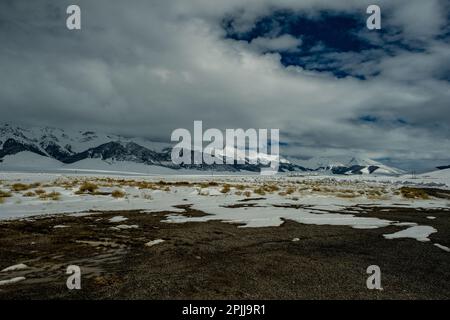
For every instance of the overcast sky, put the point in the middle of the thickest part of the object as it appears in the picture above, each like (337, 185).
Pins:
(310, 68)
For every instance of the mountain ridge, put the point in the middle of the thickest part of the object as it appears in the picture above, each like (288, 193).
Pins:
(71, 147)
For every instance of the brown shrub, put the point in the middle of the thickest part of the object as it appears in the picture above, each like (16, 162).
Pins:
(5, 194)
(20, 187)
(118, 194)
(226, 188)
(413, 193)
(87, 187)
(260, 191)
(50, 196)
(290, 190)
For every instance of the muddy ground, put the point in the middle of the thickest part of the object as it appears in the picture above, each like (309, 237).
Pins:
(216, 260)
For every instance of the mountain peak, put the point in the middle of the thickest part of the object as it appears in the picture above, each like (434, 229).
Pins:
(69, 146)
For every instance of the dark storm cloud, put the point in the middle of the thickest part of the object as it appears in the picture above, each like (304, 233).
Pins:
(148, 67)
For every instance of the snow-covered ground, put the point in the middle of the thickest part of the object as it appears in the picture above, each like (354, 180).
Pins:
(251, 200)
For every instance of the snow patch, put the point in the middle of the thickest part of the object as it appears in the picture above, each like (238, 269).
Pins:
(125, 227)
(20, 266)
(11, 281)
(117, 219)
(440, 246)
(154, 242)
(420, 233)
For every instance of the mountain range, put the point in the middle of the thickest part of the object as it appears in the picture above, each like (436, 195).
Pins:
(53, 148)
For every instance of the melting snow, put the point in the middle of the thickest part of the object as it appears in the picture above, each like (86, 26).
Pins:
(420, 233)
(440, 246)
(125, 227)
(117, 219)
(306, 207)
(154, 242)
(11, 281)
(16, 267)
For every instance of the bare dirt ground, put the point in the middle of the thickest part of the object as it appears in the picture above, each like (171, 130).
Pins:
(216, 260)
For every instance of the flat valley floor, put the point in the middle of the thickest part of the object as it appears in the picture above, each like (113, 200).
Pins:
(223, 237)
(216, 260)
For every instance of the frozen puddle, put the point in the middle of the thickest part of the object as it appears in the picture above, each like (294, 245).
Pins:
(420, 233)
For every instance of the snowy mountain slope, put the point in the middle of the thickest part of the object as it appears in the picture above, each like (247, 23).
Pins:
(57, 147)
(29, 160)
(71, 147)
(441, 174)
(346, 165)
(67, 141)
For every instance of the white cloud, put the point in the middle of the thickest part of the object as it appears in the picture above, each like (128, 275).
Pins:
(148, 69)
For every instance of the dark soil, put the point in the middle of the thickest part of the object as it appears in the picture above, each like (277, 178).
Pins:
(215, 260)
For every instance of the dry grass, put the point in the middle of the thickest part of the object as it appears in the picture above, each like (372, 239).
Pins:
(270, 188)
(118, 194)
(226, 188)
(181, 183)
(208, 184)
(141, 185)
(20, 187)
(346, 195)
(50, 196)
(413, 193)
(5, 194)
(24, 187)
(39, 191)
(29, 194)
(290, 190)
(260, 191)
(87, 187)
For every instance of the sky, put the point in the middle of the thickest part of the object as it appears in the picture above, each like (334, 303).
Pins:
(309, 68)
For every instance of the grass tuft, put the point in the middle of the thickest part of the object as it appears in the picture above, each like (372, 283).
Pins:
(118, 194)
(87, 187)
(5, 194)
(226, 188)
(413, 193)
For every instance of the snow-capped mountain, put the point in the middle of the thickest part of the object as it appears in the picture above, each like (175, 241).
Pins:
(50, 147)
(350, 164)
